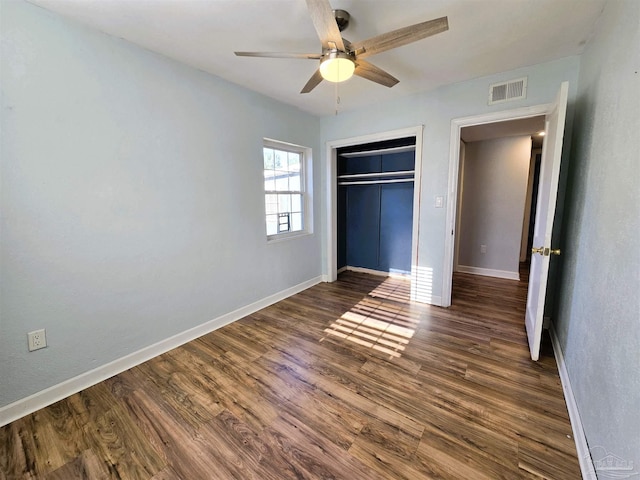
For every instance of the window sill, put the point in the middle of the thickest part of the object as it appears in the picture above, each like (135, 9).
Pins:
(287, 236)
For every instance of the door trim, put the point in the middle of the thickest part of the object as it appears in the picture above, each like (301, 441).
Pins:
(331, 239)
(454, 171)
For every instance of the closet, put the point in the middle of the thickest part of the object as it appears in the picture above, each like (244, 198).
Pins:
(375, 206)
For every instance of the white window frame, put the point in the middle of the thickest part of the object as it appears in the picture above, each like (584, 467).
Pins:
(305, 187)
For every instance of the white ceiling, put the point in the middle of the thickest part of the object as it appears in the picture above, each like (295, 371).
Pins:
(484, 37)
(523, 126)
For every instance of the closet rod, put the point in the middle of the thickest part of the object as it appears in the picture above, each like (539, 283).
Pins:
(378, 174)
(375, 182)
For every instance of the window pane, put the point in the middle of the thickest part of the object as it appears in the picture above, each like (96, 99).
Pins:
(294, 182)
(268, 158)
(269, 180)
(296, 203)
(294, 162)
(296, 221)
(271, 204)
(272, 224)
(284, 222)
(284, 203)
(280, 160)
(282, 181)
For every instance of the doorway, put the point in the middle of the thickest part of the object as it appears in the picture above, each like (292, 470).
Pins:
(497, 189)
(490, 122)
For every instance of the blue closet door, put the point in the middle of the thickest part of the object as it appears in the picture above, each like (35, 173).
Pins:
(396, 227)
(363, 226)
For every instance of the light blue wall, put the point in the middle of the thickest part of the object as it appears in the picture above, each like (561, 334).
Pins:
(598, 313)
(132, 199)
(435, 110)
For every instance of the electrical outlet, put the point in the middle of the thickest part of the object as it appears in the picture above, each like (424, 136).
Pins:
(37, 339)
(483, 249)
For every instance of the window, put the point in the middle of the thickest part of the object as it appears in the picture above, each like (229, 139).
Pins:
(285, 189)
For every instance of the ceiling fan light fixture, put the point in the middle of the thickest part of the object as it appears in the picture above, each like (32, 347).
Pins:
(337, 66)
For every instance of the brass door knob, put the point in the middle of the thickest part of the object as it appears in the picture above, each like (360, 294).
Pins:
(545, 252)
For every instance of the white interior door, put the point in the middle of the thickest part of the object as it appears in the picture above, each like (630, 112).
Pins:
(545, 211)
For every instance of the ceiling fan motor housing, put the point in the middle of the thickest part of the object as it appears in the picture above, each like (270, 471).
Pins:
(342, 19)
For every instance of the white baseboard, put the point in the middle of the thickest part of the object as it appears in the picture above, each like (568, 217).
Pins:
(436, 301)
(44, 398)
(584, 456)
(489, 272)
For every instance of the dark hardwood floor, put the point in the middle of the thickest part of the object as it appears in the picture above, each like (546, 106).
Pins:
(346, 380)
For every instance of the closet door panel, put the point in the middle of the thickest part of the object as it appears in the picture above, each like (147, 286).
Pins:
(396, 226)
(363, 220)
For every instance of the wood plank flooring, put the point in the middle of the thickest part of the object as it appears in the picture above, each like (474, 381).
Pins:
(342, 381)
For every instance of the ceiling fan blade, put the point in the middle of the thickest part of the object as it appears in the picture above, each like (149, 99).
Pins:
(313, 82)
(375, 74)
(325, 23)
(400, 37)
(310, 56)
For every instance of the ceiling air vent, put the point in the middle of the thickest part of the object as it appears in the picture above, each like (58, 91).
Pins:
(507, 91)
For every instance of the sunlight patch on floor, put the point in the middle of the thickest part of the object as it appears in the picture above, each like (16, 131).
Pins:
(377, 323)
(399, 291)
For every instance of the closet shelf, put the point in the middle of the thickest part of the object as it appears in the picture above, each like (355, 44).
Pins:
(352, 176)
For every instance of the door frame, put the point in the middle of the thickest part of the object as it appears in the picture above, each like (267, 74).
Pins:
(457, 124)
(331, 207)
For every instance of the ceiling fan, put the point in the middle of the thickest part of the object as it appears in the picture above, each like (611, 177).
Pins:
(340, 59)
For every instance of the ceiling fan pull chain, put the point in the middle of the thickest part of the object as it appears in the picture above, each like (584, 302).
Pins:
(337, 97)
